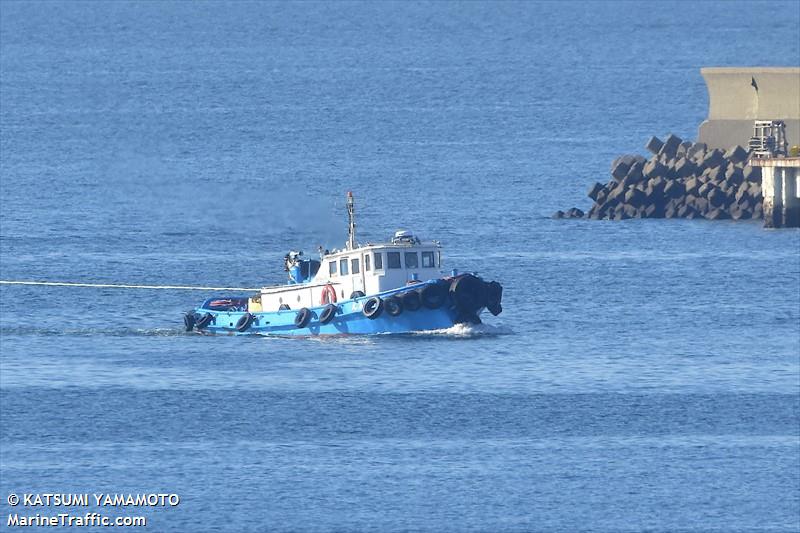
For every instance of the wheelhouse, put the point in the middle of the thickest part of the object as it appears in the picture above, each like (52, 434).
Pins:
(348, 273)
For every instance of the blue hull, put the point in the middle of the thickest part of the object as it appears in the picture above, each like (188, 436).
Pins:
(350, 317)
(350, 320)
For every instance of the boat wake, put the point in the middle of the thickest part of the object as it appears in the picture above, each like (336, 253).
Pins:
(92, 332)
(466, 331)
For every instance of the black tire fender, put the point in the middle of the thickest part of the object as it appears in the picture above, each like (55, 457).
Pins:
(468, 293)
(411, 300)
(328, 313)
(302, 318)
(393, 306)
(433, 296)
(188, 321)
(204, 321)
(494, 295)
(373, 308)
(244, 323)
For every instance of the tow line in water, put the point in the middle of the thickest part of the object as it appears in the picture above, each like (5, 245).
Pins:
(116, 286)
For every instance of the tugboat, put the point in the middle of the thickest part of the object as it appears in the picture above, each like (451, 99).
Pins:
(392, 287)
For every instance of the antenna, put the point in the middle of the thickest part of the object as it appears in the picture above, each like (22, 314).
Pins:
(351, 231)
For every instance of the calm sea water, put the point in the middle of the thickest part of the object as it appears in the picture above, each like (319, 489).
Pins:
(644, 375)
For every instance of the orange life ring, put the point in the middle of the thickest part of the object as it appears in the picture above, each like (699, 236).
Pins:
(328, 295)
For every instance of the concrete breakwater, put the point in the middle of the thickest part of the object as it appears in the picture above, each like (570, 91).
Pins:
(680, 180)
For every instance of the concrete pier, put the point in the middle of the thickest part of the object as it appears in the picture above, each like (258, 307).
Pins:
(737, 96)
(780, 187)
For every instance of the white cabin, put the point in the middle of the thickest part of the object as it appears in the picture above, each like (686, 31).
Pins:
(367, 269)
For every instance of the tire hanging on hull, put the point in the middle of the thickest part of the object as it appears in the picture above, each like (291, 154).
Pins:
(328, 313)
(433, 296)
(204, 321)
(411, 300)
(302, 318)
(373, 308)
(393, 306)
(244, 323)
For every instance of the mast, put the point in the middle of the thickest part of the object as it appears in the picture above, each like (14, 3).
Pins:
(351, 231)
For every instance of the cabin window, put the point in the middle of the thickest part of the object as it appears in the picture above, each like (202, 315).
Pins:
(343, 267)
(332, 268)
(378, 261)
(427, 259)
(354, 266)
(412, 260)
(393, 259)
(366, 262)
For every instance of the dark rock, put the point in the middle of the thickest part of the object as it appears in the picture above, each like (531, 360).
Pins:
(742, 194)
(655, 188)
(686, 211)
(574, 213)
(654, 169)
(695, 149)
(674, 189)
(634, 198)
(705, 189)
(713, 159)
(752, 174)
(595, 190)
(635, 172)
(620, 170)
(670, 147)
(691, 184)
(717, 214)
(654, 145)
(683, 149)
(629, 212)
(684, 168)
(716, 197)
(716, 175)
(558, 214)
(736, 154)
(745, 204)
(734, 175)
(653, 211)
(740, 214)
(758, 211)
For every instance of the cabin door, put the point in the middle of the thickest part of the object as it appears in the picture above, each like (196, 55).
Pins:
(358, 281)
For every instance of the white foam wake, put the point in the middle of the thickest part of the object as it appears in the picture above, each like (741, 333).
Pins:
(468, 330)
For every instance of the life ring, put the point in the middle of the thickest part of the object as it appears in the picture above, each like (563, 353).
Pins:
(411, 300)
(433, 296)
(373, 308)
(204, 321)
(302, 318)
(188, 321)
(245, 322)
(328, 295)
(328, 313)
(393, 305)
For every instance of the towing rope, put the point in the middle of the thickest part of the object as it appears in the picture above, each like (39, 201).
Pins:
(112, 286)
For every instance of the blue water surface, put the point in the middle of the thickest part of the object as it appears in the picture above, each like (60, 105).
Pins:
(644, 376)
